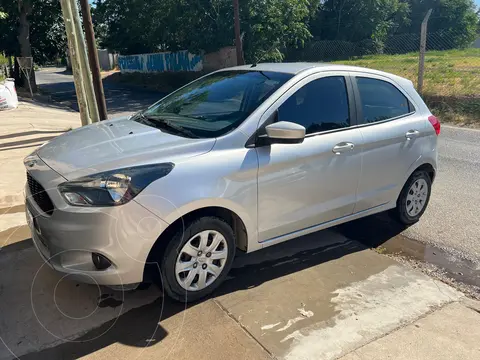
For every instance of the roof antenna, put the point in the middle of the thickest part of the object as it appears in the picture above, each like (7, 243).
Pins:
(255, 62)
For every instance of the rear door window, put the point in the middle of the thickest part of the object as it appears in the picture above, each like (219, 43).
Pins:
(381, 100)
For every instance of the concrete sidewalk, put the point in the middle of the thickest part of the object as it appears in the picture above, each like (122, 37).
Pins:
(322, 296)
(21, 131)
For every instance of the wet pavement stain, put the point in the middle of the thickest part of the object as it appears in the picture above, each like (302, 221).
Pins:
(459, 269)
(384, 234)
(107, 300)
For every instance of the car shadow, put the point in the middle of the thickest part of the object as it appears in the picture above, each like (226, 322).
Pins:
(141, 327)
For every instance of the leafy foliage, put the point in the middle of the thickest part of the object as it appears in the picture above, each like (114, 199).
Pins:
(269, 27)
(351, 20)
(454, 18)
(47, 33)
(273, 25)
(137, 26)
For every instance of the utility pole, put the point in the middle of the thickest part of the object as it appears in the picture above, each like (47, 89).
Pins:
(84, 67)
(77, 77)
(81, 71)
(238, 40)
(423, 48)
(93, 59)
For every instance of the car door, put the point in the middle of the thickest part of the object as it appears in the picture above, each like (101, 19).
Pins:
(392, 132)
(306, 184)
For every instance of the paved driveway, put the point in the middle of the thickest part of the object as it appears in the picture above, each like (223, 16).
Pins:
(316, 297)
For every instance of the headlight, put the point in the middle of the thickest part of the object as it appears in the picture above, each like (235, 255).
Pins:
(114, 187)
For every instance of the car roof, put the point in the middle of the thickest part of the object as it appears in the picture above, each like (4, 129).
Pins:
(297, 67)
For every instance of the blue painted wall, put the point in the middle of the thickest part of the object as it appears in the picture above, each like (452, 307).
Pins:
(160, 62)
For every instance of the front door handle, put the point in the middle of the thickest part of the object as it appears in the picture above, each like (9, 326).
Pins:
(343, 147)
(411, 134)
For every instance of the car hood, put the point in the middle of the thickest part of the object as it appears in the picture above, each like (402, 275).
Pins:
(116, 144)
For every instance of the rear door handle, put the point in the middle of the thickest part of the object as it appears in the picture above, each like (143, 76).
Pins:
(411, 134)
(343, 147)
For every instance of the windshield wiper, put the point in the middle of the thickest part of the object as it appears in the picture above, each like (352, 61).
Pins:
(167, 124)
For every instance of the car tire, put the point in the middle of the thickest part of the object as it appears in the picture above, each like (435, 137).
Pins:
(414, 198)
(178, 254)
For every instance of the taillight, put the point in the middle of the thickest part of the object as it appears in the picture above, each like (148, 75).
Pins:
(435, 123)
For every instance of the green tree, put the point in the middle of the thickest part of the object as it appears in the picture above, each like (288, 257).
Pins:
(137, 26)
(353, 20)
(47, 31)
(454, 21)
(37, 24)
(271, 26)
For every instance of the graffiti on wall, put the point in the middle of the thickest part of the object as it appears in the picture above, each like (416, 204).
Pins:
(160, 62)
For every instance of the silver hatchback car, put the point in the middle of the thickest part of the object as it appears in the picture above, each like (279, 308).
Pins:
(238, 160)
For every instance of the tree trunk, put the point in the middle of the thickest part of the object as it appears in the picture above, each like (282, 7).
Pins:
(17, 74)
(10, 65)
(25, 9)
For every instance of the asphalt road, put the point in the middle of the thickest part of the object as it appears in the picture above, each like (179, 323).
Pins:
(120, 100)
(452, 220)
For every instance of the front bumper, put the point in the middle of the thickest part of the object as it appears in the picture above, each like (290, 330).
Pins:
(67, 238)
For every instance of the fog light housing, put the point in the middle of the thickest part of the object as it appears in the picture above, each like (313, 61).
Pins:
(100, 261)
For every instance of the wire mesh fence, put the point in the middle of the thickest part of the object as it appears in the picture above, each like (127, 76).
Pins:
(452, 67)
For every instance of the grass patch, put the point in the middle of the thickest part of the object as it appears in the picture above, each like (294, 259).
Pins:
(451, 86)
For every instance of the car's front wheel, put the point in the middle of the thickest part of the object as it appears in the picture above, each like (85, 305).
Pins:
(414, 198)
(198, 258)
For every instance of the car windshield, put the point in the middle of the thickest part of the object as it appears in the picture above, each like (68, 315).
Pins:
(213, 105)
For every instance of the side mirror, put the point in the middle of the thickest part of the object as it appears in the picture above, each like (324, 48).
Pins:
(285, 132)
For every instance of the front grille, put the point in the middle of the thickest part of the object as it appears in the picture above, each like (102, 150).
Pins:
(40, 195)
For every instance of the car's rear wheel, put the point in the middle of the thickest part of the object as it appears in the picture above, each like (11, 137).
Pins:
(197, 259)
(414, 198)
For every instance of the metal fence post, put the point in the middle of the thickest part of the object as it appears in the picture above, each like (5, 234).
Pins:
(423, 46)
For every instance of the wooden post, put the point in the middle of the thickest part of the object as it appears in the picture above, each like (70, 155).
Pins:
(84, 67)
(238, 40)
(93, 59)
(77, 76)
(423, 47)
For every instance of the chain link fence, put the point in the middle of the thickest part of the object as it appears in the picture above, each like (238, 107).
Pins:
(451, 85)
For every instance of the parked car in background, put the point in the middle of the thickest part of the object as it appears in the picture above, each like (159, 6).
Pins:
(238, 160)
